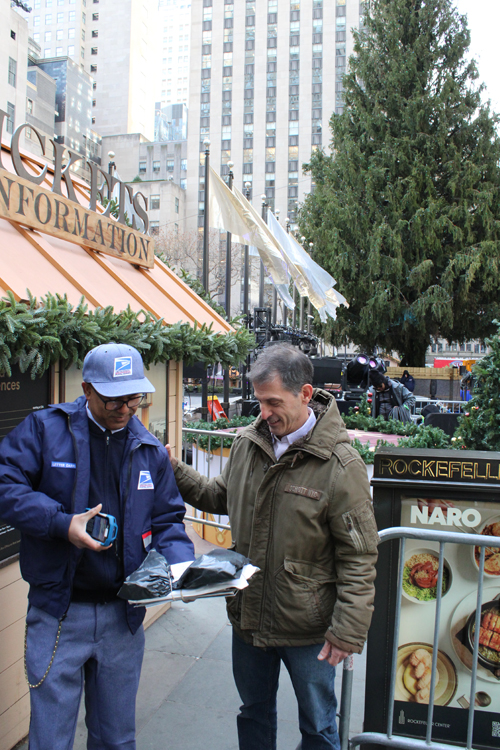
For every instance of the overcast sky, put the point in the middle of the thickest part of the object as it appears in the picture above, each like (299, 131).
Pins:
(484, 23)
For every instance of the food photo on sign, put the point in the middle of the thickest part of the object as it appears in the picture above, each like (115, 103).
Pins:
(458, 607)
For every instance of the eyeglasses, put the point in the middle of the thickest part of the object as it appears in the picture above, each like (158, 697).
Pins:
(115, 404)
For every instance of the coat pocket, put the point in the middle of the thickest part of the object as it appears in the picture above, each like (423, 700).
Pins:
(304, 597)
(361, 526)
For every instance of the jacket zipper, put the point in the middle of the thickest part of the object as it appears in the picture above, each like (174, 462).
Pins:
(269, 543)
(127, 488)
(71, 568)
(353, 531)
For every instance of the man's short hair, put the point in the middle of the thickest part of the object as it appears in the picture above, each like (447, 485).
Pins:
(293, 367)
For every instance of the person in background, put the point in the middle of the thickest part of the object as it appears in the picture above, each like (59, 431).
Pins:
(298, 500)
(58, 469)
(407, 380)
(390, 399)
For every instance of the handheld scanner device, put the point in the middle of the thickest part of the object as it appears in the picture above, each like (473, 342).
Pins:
(103, 528)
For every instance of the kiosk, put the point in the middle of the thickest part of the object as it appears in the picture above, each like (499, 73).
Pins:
(448, 490)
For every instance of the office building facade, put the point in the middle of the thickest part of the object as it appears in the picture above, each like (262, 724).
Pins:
(175, 25)
(266, 76)
(117, 43)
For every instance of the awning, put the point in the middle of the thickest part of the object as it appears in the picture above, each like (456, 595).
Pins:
(30, 259)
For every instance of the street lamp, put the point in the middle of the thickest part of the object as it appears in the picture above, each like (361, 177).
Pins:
(204, 278)
(111, 166)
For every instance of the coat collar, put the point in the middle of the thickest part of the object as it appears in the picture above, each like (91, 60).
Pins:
(78, 414)
(320, 441)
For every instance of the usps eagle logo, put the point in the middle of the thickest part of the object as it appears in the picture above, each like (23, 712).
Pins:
(145, 481)
(123, 366)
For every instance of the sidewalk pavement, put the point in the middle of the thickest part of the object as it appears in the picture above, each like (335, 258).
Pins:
(187, 699)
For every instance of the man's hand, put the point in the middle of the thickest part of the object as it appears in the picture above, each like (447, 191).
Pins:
(77, 532)
(332, 654)
(173, 459)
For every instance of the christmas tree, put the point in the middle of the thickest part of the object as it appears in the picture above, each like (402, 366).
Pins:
(406, 210)
(479, 428)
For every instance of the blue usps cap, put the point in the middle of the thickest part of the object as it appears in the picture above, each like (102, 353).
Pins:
(116, 370)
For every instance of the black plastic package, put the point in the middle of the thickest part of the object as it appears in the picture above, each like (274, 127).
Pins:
(151, 579)
(216, 566)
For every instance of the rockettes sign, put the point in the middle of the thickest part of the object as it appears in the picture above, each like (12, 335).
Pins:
(47, 209)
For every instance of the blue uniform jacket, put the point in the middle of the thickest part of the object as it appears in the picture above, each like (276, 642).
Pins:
(44, 478)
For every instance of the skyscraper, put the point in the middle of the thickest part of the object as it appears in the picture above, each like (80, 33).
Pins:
(117, 42)
(175, 22)
(266, 76)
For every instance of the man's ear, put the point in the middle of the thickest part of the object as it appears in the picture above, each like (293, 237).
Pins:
(87, 389)
(307, 392)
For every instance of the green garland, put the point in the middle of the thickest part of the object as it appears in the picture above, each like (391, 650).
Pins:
(38, 333)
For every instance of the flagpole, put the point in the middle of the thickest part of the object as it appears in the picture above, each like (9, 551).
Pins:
(261, 276)
(294, 314)
(246, 311)
(227, 300)
(204, 275)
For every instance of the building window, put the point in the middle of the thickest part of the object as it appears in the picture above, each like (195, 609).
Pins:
(11, 112)
(36, 5)
(84, 18)
(71, 50)
(12, 34)
(93, 68)
(82, 52)
(59, 51)
(183, 183)
(36, 20)
(71, 33)
(176, 205)
(142, 167)
(170, 165)
(60, 18)
(94, 102)
(59, 34)
(83, 35)
(156, 166)
(36, 36)
(29, 106)
(48, 18)
(72, 16)
(184, 165)
(12, 71)
(93, 51)
(154, 227)
(154, 201)
(46, 53)
(95, 33)
(47, 36)
(95, 16)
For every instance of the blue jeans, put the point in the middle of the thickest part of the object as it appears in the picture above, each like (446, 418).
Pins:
(256, 674)
(95, 647)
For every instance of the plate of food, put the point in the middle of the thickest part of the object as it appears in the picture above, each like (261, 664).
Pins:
(413, 675)
(463, 629)
(491, 554)
(420, 575)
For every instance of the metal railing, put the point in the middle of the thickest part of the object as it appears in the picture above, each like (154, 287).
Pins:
(212, 466)
(410, 743)
(445, 406)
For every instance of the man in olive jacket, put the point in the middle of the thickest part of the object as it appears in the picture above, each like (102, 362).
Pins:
(299, 504)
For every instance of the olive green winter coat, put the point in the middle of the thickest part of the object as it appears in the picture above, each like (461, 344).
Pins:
(306, 521)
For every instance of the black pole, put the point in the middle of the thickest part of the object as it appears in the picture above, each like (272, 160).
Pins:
(261, 274)
(246, 311)
(225, 402)
(206, 230)
(204, 278)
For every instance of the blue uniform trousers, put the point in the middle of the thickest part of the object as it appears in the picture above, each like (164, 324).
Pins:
(95, 648)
